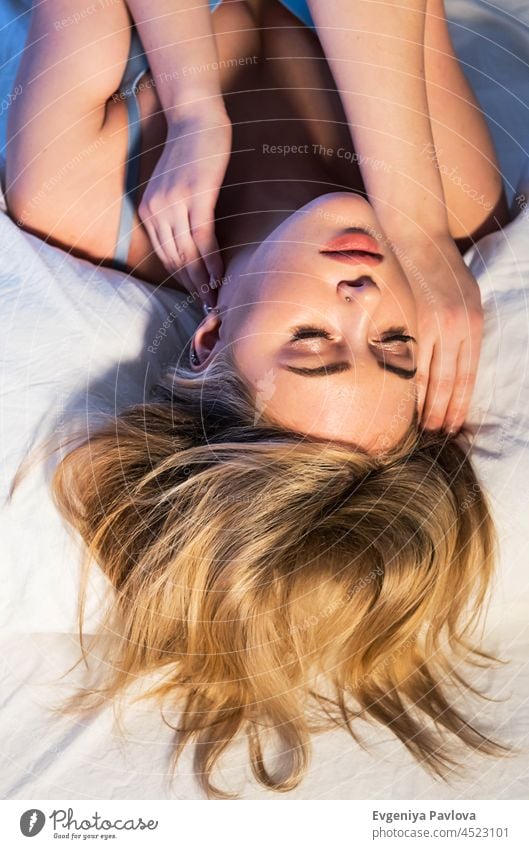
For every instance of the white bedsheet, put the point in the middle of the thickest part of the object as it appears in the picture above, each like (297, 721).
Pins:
(74, 337)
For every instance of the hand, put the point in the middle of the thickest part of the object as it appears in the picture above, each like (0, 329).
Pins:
(450, 326)
(178, 205)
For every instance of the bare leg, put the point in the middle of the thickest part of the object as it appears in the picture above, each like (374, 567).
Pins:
(67, 138)
(472, 182)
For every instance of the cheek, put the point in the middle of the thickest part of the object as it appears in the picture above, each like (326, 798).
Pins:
(411, 307)
(255, 362)
(398, 422)
(244, 354)
(407, 301)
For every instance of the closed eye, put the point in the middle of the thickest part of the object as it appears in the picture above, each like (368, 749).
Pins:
(309, 332)
(398, 337)
(394, 341)
(395, 334)
(398, 345)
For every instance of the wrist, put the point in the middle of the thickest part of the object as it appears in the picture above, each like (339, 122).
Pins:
(420, 226)
(419, 238)
(201, 111)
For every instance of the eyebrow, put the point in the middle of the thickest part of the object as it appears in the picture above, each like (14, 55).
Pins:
(406, 374)
(320, 371)
(336, 368)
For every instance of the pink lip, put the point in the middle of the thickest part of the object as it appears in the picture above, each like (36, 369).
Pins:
(354, 249)
(354, 258)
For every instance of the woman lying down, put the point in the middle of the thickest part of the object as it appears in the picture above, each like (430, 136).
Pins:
(288, 503)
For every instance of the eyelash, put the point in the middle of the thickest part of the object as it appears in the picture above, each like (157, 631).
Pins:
(306, 332)
(397, 337)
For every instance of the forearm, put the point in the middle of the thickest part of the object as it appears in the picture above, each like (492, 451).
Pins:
(376, 52)
(177, 37)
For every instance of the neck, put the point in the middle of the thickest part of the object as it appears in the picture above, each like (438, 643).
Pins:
(278, 164)
(242, 232)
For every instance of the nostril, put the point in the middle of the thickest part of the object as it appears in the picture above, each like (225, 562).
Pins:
(364, 280)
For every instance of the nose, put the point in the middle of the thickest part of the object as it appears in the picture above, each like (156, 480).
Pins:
(363, 290)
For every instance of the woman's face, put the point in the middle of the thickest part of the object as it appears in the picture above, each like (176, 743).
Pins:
(324, 335)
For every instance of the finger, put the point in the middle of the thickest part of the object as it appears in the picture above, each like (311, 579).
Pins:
(210, 253)
(424, 359)
(175, 255)
(152, 232)
(440, 385)
(164, 232)
(213, 269)
(174, 220)
(202, 225)
(173, 268)
(467, 366)
(193, 264)
(153, 224)
(214, 261)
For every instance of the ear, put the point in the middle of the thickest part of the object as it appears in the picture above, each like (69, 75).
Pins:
(206, 340)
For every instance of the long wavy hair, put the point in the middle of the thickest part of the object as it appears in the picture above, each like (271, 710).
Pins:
(248, 562)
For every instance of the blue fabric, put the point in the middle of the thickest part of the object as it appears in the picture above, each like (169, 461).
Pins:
(298, 8)
(136, 66)
(14, 23)
(129, 203)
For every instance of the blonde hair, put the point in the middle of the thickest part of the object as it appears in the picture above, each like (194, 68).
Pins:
(248, 560)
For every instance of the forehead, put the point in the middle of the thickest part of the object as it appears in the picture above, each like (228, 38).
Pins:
(373, 414)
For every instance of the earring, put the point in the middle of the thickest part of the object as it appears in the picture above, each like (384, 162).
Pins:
(210, 310)
(347, 298)
(193, 357)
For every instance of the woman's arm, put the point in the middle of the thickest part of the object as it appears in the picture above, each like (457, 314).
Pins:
(375, 49)
(178, 35)
(178, 205)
